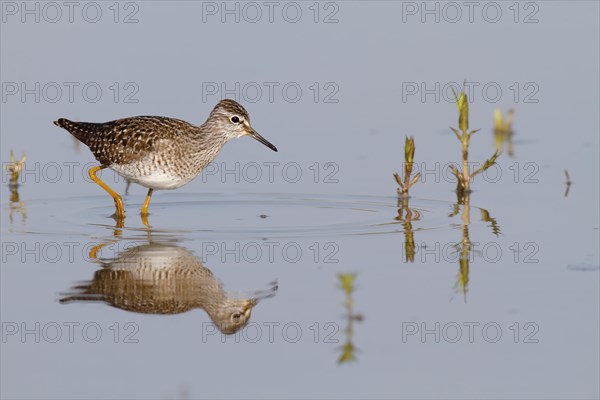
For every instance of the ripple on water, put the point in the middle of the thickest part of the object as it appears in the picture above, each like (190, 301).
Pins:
(240, 215)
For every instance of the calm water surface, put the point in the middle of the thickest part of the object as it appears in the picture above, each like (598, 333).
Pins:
(235, 289)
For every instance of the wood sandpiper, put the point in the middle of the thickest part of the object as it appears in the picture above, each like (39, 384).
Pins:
(160, 152)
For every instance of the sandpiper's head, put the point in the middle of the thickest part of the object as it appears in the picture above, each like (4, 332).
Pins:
(233, 315)
(232, 120)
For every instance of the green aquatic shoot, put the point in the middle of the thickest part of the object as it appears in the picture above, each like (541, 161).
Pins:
(503, 131)
(464, 176)
(14, 168)
(407, 182)
(16, 205)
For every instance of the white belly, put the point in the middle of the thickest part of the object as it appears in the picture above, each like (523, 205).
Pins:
(155, 179)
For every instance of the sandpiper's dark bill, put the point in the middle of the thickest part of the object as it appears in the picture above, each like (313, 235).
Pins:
(261, 139)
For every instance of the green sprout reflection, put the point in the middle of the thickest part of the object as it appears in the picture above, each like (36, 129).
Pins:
(407, 215)
(348, 349)
(465, 247)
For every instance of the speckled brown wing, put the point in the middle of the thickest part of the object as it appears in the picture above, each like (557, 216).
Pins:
(152, 279)
(122, 290)
(125, 140)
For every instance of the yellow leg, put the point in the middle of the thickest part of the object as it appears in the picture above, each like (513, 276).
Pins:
(93, 255)
(145, 221)
(145, 209)
(147, 202)
(115, 195)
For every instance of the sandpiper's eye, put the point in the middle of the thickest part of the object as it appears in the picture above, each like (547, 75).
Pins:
(236, 317)
(235, 120)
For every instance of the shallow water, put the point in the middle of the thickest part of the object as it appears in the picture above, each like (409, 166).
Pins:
(524, 300)
(495, 296)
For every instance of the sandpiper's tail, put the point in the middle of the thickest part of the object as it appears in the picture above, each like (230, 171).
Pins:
(81, 130)
(68, 125)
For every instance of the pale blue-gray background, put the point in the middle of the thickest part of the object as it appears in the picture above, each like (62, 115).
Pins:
(369, 53)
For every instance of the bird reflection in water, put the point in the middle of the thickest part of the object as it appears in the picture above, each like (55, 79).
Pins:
(165, 279)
